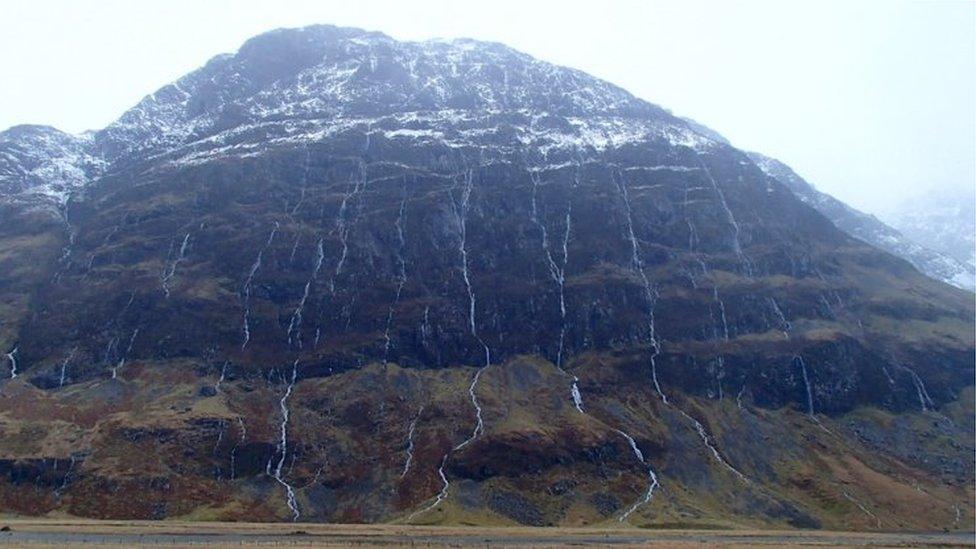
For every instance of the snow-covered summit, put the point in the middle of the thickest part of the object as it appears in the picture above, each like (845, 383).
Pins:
(303, 81)
(312, 83)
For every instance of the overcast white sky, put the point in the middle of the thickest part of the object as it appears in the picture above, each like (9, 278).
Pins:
(872, 101)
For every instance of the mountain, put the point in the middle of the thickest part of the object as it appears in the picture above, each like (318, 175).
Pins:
(338, 277)
(943, 235)
(941, 220)
(933, 259)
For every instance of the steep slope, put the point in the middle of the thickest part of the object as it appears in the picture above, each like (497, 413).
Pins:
(937, 264)
(338, 277)
(943, 221)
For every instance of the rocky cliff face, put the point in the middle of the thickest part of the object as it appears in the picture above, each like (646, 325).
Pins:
(338, 277)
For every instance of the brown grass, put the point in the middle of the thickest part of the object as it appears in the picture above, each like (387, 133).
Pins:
(351, 535)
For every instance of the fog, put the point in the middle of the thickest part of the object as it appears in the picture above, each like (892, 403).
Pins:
(873, 102)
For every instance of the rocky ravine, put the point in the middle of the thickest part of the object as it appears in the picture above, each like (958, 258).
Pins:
(336, 277)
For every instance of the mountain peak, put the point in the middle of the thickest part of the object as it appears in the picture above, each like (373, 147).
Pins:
(338, 277)
(329, 74)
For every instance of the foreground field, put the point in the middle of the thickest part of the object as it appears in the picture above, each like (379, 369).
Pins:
(61, 533)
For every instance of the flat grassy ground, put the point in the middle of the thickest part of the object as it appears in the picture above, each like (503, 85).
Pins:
(72, 532)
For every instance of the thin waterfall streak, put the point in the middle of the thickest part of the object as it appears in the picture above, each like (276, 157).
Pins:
(342, 227)
(652, 477)
(110, 349)
(637, 265)
(460, 216)
(233, 451)
(708, 444)
(65, 260)
(479, 426)
(401, 275)
(64, 365)
(295, 324)
(66, 478)
(692, 243)
(863, 509)
(721, 308)
(562, 283)
(425, 328)
(806, 382)
(223, 376)
(556, 272)
(699, 428)
(283, 445)
(657, 385)
(736, 245)
(787, 329)
(248, 281)
(301, 198)
(410, 432)
(650, 294)
(294, 248)
(220, 437)
(577, 395)
(125, 355)
(924, 399)
(891, 380)
(12, 357)
(441, 496)
(170, 270)
(784, 325)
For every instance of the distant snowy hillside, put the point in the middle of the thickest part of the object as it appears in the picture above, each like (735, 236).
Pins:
(926, 247)
(943, 221)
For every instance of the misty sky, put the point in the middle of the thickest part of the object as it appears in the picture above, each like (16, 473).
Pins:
(872, 101)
